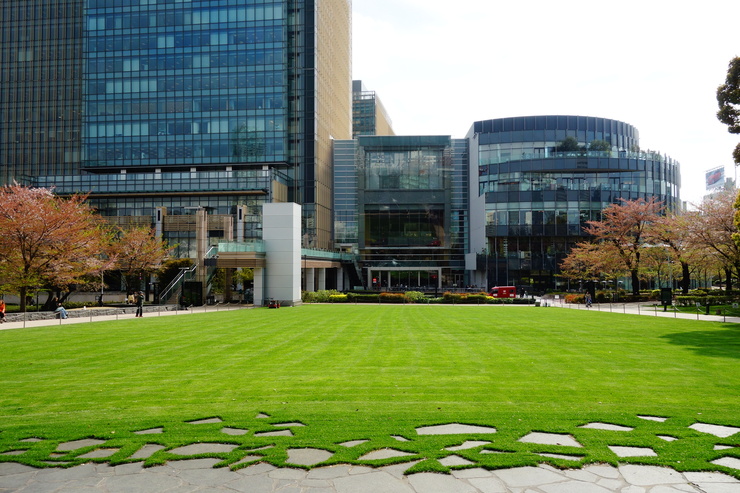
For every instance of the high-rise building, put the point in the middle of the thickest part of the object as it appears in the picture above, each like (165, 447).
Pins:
(368, 113)
(41, 67)
(168, 105)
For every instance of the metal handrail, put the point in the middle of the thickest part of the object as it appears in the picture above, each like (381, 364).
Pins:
(165, 294)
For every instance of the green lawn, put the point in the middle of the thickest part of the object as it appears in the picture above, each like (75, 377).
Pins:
(351, 372)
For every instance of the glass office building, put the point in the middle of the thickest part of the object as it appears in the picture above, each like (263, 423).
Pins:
(179, 104)
(534, 197)
(41, 85)
(175, 85)
(401, 202)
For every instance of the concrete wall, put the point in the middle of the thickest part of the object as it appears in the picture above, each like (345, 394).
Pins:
(281, 233)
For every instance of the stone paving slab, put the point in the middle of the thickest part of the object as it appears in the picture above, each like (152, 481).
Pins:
(606, 427)
(716, 430)
(454, 429)
(199, 475)
(550, 439)
(632, 451)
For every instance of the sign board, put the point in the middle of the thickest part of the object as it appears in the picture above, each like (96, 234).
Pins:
(715, 178)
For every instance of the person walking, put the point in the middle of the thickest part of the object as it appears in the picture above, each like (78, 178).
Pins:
(2, 312)
(140, 304)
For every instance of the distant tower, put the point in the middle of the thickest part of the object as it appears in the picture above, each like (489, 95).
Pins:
(368, 114)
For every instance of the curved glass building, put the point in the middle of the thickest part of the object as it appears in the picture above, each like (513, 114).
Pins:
(541, 178)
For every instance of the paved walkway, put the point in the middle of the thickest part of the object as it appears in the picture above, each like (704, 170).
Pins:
(79, 316)
(199, 475)
(644, 308)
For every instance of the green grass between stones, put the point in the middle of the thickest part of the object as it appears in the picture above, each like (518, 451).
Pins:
(350, 372)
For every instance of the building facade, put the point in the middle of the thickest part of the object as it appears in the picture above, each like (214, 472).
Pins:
(540, 179)
(41, 87)
(161, 108)
(401, 203)
(369, 116)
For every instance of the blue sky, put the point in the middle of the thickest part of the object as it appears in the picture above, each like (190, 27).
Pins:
(438, 66)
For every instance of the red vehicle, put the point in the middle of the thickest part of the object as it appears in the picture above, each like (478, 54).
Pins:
(503, 292)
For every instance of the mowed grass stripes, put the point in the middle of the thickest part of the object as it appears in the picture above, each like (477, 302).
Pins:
(358, 371)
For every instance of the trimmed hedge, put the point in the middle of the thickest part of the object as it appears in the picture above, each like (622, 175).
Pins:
(362, 298)
(704, 300)
(392, 298)
(333, 296)
(322, 296)
(466, 298)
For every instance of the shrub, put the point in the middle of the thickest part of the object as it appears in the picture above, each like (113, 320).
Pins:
(703, 300)
(362, 298)
(338, 298)
(631, 298)
(467, 298)
(321, 296)
(451, 297)
(415, 296)
(392, 298)
(575, 298)
(520, 301)
(697, 292)
(603, 296)
(476, 299)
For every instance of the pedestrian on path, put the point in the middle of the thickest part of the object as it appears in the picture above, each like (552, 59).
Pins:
(588, 300)
(2, 311)
(140, 304)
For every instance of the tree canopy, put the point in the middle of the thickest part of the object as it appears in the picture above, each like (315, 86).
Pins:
(618, 242)
(137, 252)
(639, 239)
(599, 145)
(728, 98)
(569, 144)
(47, 241)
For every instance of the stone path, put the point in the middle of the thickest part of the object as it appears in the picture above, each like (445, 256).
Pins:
(201, 475)
(198, 475)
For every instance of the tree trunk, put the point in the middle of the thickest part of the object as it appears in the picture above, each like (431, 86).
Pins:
(685, 278)
(22, 293)
(728, 279)
(52, 300)
(635, 283)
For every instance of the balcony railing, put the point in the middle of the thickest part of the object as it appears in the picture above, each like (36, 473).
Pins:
(640, 155)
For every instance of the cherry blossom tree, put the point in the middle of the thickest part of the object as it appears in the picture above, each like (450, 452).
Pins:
(622, 233)
(713, 228)
(670, 232)
(46, 241)
(137, 252)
